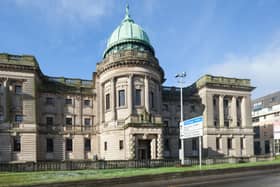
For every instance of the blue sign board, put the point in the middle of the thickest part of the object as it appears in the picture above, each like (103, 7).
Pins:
(191, 128)
(193, 120)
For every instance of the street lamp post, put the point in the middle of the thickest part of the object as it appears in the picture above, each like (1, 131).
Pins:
(181, 80)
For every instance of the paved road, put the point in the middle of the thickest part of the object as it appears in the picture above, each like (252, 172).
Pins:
(242, 179)
(271, 180)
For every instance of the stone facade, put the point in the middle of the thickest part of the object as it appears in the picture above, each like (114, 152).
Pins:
(227, 128)
(123, 113)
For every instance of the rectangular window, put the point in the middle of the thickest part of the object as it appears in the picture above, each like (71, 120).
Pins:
(241, 143)
(49, 145)
(152, 101)
(215, 123)
(17, 144)
(18, 89)
(107, 101)
(229, 143)
(226, 122)
(105, 146)
(166, 145)
(121, 98)
(87, 121)
(266, 146)
(69, 144)
(49, 120)
(86, 102)
(194, 145)
(68, 101)
(214, 101)
(256, 119)
(138, 97)
(1, 118)
(256, 132)
(237, 103)
(218, 147)
(68, 121)
(18, 118)
(238, 123)
(257, 148)
(87, 144)
(121, 144)
(257, 106)
(49, 101)
(225, 103)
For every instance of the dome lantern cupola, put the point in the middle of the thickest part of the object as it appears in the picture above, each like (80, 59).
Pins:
(128, 35)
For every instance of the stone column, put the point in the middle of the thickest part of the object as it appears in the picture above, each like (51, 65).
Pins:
(113, 93)
(233, 111)
(221, 110)
(130, 95)
(147, 102)
(159, 146)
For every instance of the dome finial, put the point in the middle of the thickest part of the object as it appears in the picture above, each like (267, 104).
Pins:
(127, 9)
(127, 15)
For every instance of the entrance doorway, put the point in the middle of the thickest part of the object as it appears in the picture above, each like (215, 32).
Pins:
(144, 150)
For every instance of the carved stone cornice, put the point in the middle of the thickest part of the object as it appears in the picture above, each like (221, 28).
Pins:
(101, 68)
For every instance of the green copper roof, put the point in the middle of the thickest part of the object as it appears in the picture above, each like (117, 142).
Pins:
(127, 31)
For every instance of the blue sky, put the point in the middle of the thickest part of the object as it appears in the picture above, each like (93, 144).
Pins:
(238, 38)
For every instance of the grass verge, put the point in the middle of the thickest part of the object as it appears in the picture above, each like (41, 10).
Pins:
(44, 177)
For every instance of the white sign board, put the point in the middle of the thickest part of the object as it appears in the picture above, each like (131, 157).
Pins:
(276, 129)
(191, 128)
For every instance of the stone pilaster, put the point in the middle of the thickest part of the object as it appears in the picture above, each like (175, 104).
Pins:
(147, 102)
(158, 104)
(113, 95)
(131, 147)
(237, 140)
(102, 102)
(153, 148)
(221, 110)
(243, 112)
(130, 95)
(5, 98)
(159, 146)
(233, 111)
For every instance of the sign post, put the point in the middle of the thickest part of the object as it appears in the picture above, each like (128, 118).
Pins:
(200, 151)
(192, 128)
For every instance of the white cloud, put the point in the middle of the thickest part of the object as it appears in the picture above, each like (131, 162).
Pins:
(70, 10)
(263, 69)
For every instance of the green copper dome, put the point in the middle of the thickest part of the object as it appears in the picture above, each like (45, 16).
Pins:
(128, 32)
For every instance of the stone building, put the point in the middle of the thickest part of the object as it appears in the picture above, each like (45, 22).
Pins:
(123, 113)
(266, 124)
